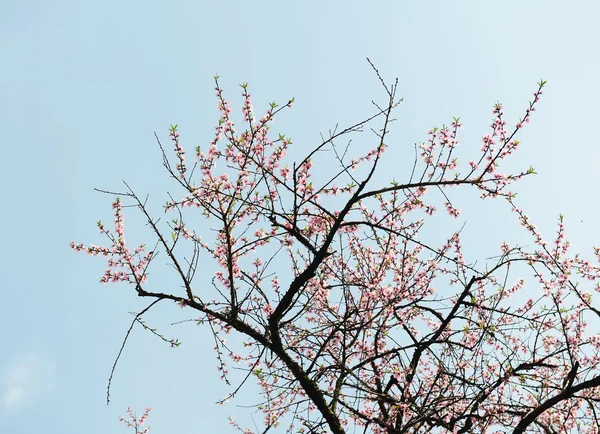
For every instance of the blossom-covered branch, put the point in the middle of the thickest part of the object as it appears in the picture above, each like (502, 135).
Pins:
(346, 317)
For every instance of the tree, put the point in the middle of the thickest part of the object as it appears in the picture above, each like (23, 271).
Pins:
(327, 280)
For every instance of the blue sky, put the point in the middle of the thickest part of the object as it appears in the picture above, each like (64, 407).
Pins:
(85, 85)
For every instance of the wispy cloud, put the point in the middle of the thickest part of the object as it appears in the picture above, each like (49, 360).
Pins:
(28, 378)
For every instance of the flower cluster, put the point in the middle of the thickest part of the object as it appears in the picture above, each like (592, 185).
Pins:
(137, 423)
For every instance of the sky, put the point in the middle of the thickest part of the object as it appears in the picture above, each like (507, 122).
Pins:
(86, 84)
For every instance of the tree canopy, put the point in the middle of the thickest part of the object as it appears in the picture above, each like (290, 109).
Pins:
(347, 319)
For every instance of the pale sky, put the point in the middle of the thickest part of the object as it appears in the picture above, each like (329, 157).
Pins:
(86, 84)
